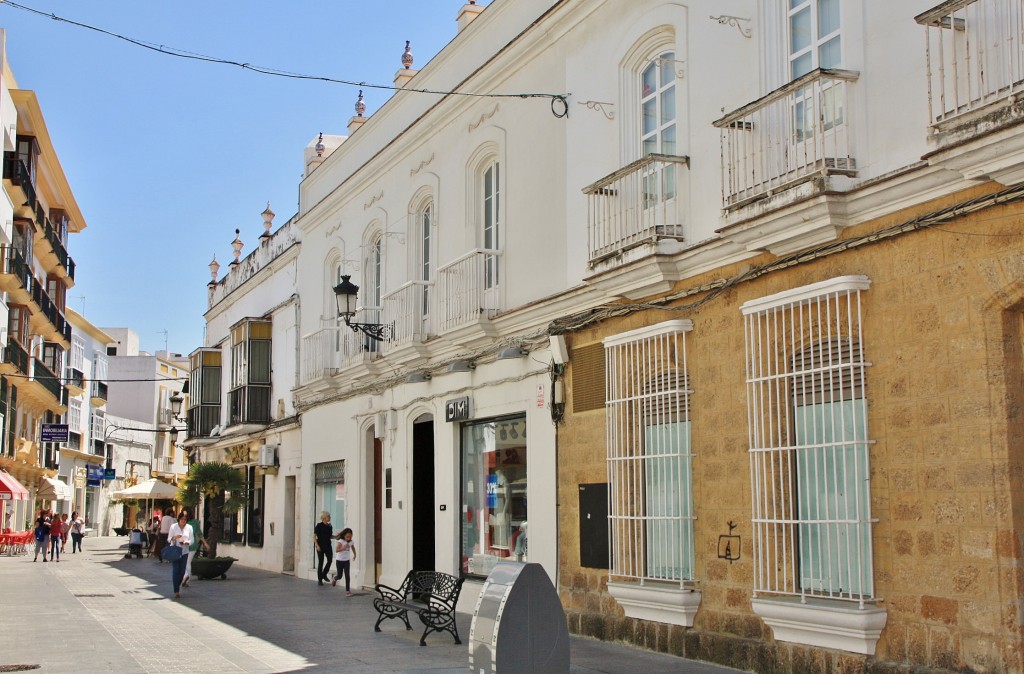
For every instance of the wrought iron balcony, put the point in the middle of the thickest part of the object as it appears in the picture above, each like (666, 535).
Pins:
(634, 205)
(75, 380)
(797, 132)
(16, 357)
(975, 56)
(407, 311)
(321, 354)
(15, 278)
(467, 289)
(98, 393)
(49, 321)
(47, 379)
(202, 420)
(17, 174)
(50, 249)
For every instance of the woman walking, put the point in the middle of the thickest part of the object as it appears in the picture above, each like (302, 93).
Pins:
(323, 532)
(77, 532)
(180, 536)
(56, 537)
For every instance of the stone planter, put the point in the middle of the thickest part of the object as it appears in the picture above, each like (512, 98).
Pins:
(206, 568)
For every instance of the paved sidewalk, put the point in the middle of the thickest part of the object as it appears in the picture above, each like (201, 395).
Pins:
(99, 612)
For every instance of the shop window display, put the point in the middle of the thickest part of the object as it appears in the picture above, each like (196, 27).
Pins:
(494, 494)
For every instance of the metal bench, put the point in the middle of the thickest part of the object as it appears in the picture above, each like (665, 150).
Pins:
(431, 595)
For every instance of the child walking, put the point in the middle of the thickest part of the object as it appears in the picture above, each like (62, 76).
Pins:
(343, 556)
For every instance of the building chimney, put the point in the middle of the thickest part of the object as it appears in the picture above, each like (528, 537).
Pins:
(467, 14)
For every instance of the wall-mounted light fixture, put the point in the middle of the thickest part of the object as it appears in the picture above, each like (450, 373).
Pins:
(417, 378)
(512, 352)
(461, 366)
(346, 293)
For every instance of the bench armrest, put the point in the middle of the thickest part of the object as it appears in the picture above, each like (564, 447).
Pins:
(389, 593)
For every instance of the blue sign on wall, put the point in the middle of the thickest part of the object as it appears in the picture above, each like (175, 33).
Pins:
(109, 474)
(94, 473)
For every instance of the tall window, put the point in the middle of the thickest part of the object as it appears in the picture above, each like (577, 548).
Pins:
(491, 223)
(424, 221)
(658, 126)
(809, 441)
(650, 485)
(494, 524)
(74, 417)
(814, 40)
(331, 495)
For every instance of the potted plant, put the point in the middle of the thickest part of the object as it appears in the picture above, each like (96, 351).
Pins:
(224, 489)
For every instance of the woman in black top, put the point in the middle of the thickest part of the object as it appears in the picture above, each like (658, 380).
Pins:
(322, 535)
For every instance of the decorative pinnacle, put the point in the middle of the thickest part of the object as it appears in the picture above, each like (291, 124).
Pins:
(319, 147)
(360, 106)
(407, 56)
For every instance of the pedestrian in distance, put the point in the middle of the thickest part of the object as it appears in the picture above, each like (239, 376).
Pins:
(42, 533)
(323, 532)
(153, 534)
(180, 535)
(166, 522)
(64, 531)
(197, 539)
(343, 556)
(77, 532)
(56, 536)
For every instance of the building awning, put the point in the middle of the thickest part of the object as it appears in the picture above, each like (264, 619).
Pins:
(11, 489)
(52, 489)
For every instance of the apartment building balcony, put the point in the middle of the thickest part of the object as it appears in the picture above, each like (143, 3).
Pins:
(98, 393)
(469, 295)
(975, 59)
(42, 389)
(321, 354)
(50, 250)
(74, 381)
(637, 205)
(249, 405)
(47, 319)
(15, 359)
(796, 134)
(15, 277)
(407, 312)
(18, 182)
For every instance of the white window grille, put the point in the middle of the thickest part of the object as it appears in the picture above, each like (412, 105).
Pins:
(98, 426)
(77, 353)
(807, 419)
(99, 366)
(649, 454)
(492, 234)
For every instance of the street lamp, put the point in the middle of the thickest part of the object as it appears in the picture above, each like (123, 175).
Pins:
(346, 292)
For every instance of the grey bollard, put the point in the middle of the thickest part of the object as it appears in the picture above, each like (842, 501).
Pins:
(518, 624)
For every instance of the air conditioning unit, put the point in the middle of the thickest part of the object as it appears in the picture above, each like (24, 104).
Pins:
(268, 455)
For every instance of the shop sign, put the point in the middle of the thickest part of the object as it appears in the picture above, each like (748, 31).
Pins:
(457, 409)
(55, 433)
(94, 474)
(492, 490)
(92, 483)
(109, 474)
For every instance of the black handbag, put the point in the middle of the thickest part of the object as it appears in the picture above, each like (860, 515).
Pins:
(172, 553)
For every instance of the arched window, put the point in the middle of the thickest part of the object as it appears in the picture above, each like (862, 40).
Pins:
(491, 223)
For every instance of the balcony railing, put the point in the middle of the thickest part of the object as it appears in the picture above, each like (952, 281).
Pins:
(467, 289)
(321, 354)
(798, 131)
(407, 311)
(636, 204)
(75, 380)
(47, 379)
(98, 393)
(17, 173)
(975, 54)
(249, 405)
(56, 245)
(16, 355)
(13, 267)
(51, 312)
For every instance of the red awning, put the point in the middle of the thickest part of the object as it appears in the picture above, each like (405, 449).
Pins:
(11, 489)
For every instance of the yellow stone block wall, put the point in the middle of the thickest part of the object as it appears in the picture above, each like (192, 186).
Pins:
(943, 333)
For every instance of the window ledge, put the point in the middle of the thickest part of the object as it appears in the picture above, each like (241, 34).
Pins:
(821, 622)
(663, 603)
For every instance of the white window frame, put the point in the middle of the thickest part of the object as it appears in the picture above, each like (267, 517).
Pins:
(77, 359)
(99, 366)
(810, 491)
(425, 265)
(816, 40)
(74, 416)
(97, 426)
(491, 223)
(650, 479)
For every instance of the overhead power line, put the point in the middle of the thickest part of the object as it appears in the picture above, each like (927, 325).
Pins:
(559, 105)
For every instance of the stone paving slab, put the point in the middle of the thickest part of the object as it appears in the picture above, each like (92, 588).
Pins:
(96, 611)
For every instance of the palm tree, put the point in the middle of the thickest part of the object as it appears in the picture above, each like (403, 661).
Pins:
(224, 488)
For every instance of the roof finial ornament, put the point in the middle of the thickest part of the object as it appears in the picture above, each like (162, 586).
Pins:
(214, 268)
(407, 56)
(268, 221)
(319, 150)
(360, 106)
(237, 245)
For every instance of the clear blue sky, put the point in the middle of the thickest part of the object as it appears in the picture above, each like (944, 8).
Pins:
(167, 157)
